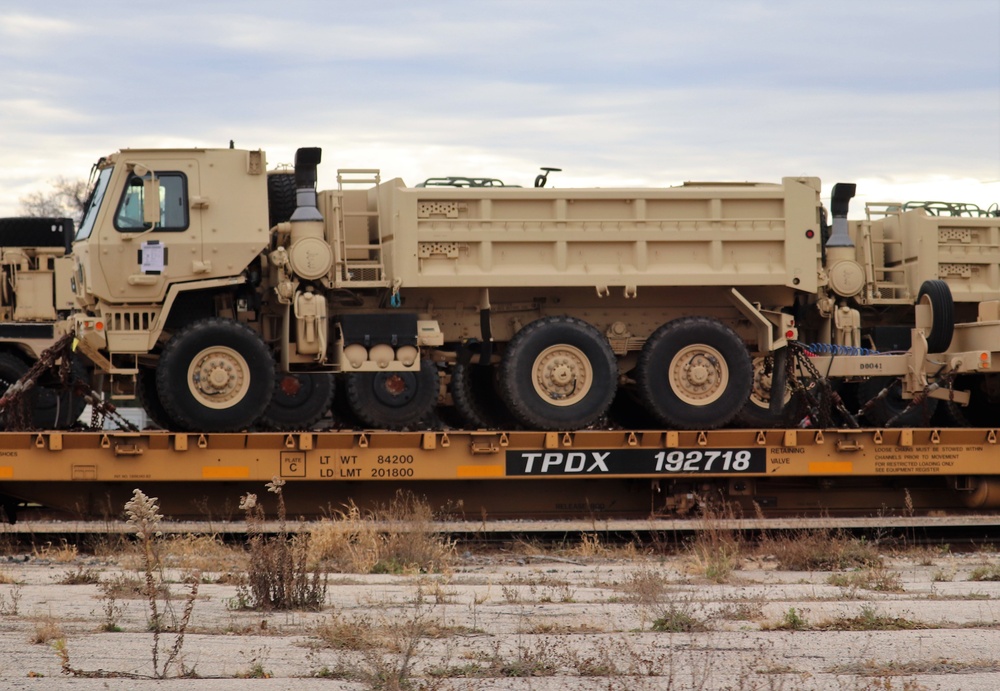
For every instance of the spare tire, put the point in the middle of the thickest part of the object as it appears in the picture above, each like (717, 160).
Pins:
(937, 295)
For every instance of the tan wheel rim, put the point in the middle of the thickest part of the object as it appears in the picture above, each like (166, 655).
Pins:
(698, 374)
(218, 377)
(562, 375)
(760, 394)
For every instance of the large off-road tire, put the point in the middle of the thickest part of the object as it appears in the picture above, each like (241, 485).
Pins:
(937, 294)
(694, 372)
(889, 410)
(148, 397)
(558, 373)
(393, 400)
(477, 403)
(300, 401)
(49, 403)
(281, 198)
(215, 375)
(984, 402)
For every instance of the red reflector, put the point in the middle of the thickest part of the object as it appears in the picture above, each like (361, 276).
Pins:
(789, 334)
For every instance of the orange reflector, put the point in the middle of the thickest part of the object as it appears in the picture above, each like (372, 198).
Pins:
(99, 325)
(831, 467)
(211, 472)
(6, 472)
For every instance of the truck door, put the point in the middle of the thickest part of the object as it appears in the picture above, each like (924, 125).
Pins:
(140, 260)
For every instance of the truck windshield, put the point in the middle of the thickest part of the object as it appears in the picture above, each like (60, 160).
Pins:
(94, 204)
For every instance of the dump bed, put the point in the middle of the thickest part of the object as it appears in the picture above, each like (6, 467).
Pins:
(692, 235)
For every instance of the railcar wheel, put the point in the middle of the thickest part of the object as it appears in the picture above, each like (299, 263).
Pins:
(149, 399)
(891, 407)
(694, 372)
(393, 400)
(984, 402)
(300, 400)
(215, 375)
(558, 373)
(474, 390)
(937, 295)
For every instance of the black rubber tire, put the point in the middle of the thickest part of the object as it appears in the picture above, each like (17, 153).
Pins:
(654, 380)
(149, 398)
(757, 413)
(281, 198)
(393, 400)
(49, 404)
(628, 412)
(983, 409)
(300, 400)
(192, 342)
(477, 402)
(517, 374)
(892, 404)
(937, 294)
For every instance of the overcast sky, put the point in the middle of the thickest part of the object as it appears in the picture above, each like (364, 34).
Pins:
(902, 97)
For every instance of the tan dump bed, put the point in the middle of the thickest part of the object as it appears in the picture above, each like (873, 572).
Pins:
(693, 235)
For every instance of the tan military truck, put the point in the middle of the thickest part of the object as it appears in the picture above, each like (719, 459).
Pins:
(535, 305)
(35, 293)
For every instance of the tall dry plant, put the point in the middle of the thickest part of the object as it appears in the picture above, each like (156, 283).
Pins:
(143, 517)
(279, 575)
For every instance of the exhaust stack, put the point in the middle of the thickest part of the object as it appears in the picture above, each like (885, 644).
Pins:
(840, 202)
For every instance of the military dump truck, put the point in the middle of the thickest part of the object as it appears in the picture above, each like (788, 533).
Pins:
(224, 296)
(35, 294)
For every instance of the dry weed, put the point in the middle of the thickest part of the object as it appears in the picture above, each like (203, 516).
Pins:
(717, 550)
(63, 553)
(819, 550)
(46, 631)
(279, 575)
(202, 553)
(399, 537)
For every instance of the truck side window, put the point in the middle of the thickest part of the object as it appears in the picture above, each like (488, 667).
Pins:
(172, 202)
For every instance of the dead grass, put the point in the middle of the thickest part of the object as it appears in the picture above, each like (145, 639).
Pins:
(398, 537)
(985, 572)
(716, 550)
(877, 578)
(80, 576)
(819, 550)
(205, 553)
(46, 631)
(63, 553)
(938, 667)
(340, 632)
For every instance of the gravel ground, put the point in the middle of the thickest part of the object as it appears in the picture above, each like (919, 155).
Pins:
(523, 621)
